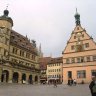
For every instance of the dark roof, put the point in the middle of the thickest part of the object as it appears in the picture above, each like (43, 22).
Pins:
(56, 60)
(23, 42)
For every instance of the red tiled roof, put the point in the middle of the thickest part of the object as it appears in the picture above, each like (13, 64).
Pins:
(43, 62)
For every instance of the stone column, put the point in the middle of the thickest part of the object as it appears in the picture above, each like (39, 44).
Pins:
(10, 76)
(39, 78)
(33, 78)
(0, 74)
(27, 78)
(20, 77)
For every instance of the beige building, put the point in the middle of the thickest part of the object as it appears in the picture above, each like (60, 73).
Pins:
(79, 55)
(18, 55)
(54, 70)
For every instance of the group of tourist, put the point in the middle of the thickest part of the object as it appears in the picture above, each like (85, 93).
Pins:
(92, 84)
(72, 82)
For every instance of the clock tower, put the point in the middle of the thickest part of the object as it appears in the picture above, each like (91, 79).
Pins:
(6, 24)
(79, 55)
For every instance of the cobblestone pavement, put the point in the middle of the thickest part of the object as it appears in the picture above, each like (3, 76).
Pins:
(43, 90)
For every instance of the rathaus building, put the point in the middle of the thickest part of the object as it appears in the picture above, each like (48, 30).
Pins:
(18, 55)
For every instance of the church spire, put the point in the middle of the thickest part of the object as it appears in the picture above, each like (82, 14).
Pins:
(40, 51)
(77, 18)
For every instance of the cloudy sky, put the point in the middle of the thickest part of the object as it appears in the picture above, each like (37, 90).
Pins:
(50, 22)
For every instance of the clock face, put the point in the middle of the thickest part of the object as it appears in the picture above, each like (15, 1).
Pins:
(79, 48)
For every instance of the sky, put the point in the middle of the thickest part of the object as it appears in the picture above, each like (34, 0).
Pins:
(50, 22)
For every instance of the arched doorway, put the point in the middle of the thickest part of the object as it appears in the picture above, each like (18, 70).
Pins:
(15, 77)
(30, 79)
(23, 78)
(5, 76)
(36, 78)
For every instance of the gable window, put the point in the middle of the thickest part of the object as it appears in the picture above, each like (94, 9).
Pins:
(86, 45)
(72, 47)
(77, 28)
(74, 37)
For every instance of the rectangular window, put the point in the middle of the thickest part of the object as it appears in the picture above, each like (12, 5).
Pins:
(74, 37)
(88, 59)
(94, 58)
(82, 35)
(93, 72)
(81, 74)
(69, 74)
(86, 45)
(72, 47)
(73, 60)
(15, 50)
(82, 59)
(67, 61)
(27, 55)
(78, 60)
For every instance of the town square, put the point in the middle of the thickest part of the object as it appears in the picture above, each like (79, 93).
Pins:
(47, 48)
(43, 90)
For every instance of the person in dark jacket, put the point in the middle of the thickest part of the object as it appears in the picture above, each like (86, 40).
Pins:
(91, 85)
(55, 83)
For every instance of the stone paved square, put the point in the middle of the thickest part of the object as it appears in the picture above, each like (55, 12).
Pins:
(43, 90)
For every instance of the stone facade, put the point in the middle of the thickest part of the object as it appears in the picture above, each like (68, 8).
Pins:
(18, 55)
(79, 55)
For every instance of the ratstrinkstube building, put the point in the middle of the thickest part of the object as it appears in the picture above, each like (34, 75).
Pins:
(18, 55)
(79, 55)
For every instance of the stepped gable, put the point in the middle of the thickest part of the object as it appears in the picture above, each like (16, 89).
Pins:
(78, 39)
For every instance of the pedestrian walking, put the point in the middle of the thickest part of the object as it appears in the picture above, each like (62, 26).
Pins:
(74, 82)
(55, 83)
(92, 86)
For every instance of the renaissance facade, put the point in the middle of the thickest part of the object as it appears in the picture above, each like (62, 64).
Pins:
(79, 55)
(18, 55)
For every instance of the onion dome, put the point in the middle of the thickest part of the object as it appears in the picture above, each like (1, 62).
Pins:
(6, 17)
(77, 18)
